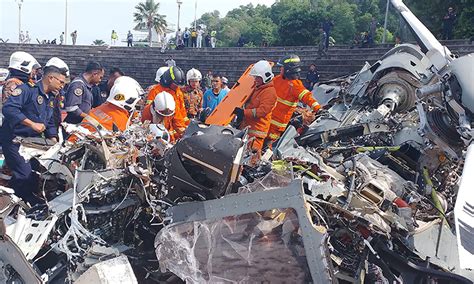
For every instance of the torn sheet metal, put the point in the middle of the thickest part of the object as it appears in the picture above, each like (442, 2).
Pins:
(30, 235)
(189, 215)
(113, 271)
(464, 213)
(20, 268)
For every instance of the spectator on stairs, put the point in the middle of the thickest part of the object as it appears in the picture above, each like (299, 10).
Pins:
(448, 24)
(193, 38)
(199, 33)
(312, 77)
(186, 36)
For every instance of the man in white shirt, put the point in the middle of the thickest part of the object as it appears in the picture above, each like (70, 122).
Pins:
(200, 32)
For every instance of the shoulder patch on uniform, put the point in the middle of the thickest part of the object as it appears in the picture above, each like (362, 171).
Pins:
(103, 94)
(16, 92)
(40, 100)
(78, 92)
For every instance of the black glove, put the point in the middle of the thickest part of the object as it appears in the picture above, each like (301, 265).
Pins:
(239, 117)
(239, 112)
(204, 114)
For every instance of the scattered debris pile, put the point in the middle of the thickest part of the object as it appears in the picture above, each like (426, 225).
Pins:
(374, 190)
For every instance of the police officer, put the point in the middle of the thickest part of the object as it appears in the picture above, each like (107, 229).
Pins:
(59, 96)
(79, 97)
(101, 92)
(20, 67)
(29, 113)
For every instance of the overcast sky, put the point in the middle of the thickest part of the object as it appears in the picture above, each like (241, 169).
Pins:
(95, 19)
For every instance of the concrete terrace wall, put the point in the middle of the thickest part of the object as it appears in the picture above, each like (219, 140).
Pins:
(141, 63)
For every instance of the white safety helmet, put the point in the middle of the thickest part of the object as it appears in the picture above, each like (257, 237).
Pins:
(58, 63)
(3, 74)
(23, 62)
(125, 93)
(262, 69)
(193, 74)
(164, 104)
(160, 72)
(159, 131)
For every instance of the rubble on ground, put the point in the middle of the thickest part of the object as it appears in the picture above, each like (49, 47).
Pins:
(371, 190)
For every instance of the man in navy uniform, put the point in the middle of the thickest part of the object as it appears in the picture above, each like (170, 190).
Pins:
(29, 113)
(101, 91)
(79, 96)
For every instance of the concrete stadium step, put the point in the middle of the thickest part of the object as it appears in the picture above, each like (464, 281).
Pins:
(142, 63)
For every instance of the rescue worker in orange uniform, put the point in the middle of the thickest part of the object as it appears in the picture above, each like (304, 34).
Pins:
(290, 91)
(161, 111)
(193, 93)
(257, 111)
(170, 82)
(115, 113)
(159, 73)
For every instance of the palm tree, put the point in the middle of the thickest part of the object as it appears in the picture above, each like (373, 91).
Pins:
(146, 16)
(98, 42)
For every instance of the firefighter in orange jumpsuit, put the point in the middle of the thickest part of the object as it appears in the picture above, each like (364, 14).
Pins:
(290, 91)
(170, 82)
(257, 111)
(115, 113)
(161, 111)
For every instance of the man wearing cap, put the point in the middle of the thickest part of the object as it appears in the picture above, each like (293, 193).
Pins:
(79, 96)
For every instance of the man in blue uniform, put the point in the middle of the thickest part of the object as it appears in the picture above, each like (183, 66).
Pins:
(101, 92)
(29, 113)
(79, 96)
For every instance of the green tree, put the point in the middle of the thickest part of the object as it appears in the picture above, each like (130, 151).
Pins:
(210, 20)
(147, 16)
(298, 28)
(98, 42)
(261, 30)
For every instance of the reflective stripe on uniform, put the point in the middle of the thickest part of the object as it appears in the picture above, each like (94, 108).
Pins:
(186, 118)
(148, 102)
(172, 73)
(257, 132)
(279, 124)
(301, 95)
(254, 112)
(315, 104)
(292, 60)
(71, 108)
(274, 136)
(288, 103)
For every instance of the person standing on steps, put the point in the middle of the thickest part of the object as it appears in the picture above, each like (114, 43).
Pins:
(199, 32)
(327, 26)
(448, 24)
(186, 36)
(193, 38)
(129, 39)
(113, 38)
(74, 37)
